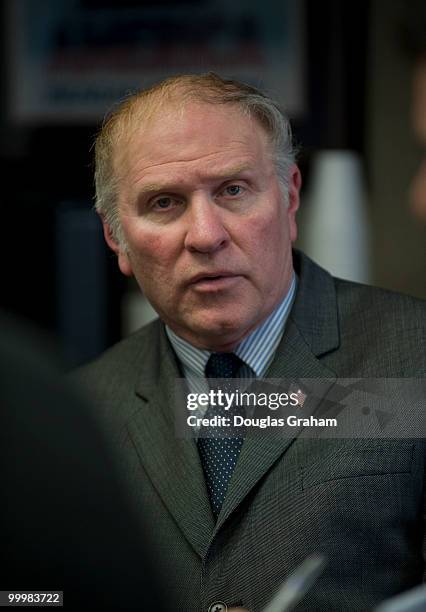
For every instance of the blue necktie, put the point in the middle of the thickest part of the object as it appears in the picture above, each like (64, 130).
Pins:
(219, 455)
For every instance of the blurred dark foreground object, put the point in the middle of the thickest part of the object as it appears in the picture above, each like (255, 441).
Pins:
(64, 521)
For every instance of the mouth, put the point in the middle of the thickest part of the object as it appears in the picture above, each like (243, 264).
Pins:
(214, 280)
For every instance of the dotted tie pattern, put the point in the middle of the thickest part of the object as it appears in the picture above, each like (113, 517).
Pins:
(219, 455)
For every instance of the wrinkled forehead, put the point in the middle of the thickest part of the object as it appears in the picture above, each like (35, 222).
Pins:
(178, 122)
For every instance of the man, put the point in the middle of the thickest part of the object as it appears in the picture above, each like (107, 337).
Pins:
(198, 190)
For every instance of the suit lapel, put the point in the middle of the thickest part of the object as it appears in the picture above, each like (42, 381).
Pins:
(311, 330)
(172, 464)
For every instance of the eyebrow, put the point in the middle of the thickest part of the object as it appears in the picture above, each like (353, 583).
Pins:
(228, 173)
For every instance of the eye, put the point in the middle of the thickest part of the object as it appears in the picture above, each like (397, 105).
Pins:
(164, 203)
(233, 190)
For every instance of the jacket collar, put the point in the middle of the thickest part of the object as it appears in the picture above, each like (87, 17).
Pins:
(315, 311)
(173, 464)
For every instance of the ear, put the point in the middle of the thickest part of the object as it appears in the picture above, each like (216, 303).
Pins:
(294, 185)
(123, 258)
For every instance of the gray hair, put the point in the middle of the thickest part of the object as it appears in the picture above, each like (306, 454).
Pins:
(209, 88)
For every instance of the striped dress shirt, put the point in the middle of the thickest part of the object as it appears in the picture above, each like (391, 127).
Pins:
(257, 351)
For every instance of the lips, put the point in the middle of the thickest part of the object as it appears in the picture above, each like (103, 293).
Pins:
(215, 282)
(211, 276)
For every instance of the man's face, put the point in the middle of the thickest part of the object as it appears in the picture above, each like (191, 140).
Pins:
(208, 232)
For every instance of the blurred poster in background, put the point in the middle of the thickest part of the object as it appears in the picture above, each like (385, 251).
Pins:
(71, 60)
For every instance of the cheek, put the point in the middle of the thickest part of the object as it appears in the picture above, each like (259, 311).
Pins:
(271, 232)
(274, 257)
(152, 250)
(266, 247)
(151, 266)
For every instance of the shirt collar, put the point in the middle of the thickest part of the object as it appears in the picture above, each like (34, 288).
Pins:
(257, 350)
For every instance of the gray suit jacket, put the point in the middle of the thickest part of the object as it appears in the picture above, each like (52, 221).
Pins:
(359, 502)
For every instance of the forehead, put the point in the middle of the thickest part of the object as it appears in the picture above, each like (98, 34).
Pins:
(194, 133)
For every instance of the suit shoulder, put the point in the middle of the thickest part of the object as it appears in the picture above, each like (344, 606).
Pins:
(383, 330)
(395, 308)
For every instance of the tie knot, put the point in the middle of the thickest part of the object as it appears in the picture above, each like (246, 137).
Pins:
(223, 365)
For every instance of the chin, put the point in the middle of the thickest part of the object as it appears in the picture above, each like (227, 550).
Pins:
(218, 335)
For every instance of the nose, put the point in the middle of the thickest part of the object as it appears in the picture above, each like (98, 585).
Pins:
(206, 232)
